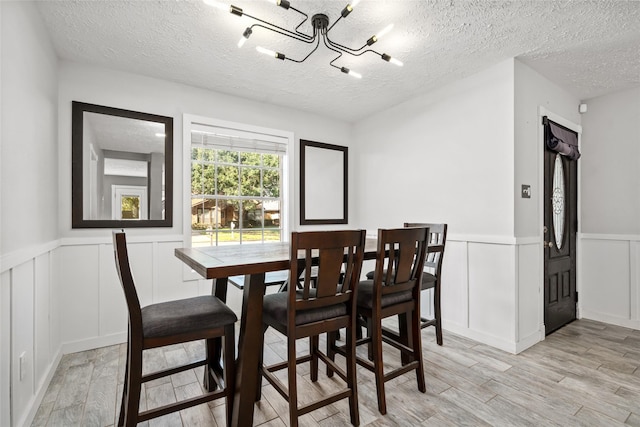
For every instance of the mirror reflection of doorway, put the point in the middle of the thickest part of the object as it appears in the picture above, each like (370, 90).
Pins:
(129, 202)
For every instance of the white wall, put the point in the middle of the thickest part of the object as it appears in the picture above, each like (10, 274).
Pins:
(611, 164)
(29, 219)
(29, 126)
(610, 179)
(448, 156)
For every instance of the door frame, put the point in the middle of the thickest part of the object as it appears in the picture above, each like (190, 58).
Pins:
(542, 111)
(117, 191)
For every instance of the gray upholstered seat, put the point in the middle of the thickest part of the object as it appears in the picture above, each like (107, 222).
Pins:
(274, 311)
(186, 315)
(365, 296)
(428, 279)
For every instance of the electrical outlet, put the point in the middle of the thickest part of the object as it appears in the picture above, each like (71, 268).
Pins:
(23, 365)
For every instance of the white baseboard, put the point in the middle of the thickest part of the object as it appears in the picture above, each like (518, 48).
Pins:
(91, 343)
(30, 415)
(529, 341)
(481, 337)
(607, 318)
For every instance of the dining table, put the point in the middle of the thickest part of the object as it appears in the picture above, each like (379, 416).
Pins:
(252, 261)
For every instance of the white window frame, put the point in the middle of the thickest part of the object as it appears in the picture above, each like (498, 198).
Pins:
(190, 121)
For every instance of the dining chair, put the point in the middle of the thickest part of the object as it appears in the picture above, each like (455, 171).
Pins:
(167, 323)
(431, 277)
(311, 310)
(394, 291)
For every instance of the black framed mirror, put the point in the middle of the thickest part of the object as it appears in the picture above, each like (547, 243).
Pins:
(122, 168)
(323, 183)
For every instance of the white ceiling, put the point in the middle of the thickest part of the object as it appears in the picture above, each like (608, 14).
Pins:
(590, 48)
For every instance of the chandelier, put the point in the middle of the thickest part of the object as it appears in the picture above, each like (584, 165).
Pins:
(321, 29)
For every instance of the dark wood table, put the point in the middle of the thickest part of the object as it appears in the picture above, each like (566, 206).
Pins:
(252, 261)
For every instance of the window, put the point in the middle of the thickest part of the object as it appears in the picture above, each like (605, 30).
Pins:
(237, 186)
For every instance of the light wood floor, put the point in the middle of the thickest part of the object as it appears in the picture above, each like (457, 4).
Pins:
(585, 374)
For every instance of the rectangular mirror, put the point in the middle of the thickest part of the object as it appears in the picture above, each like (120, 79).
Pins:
(122, 168)
(323, 183)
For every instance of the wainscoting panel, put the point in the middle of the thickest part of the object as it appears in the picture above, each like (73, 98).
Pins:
(5, 348)
(113, 308)
(22, 349)
(530, 299)
(169, 269)
(609, 285)
(492, 290)
(455, 290)
(79, 292)
(42, 317)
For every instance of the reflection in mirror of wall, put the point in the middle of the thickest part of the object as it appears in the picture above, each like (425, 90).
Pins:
(122, 168)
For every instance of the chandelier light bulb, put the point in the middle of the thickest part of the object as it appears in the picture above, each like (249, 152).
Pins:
(269, 52)
(351, 73)
(245, 36)
(396, 62)
(391, 60)
(218, 5)
(265, 51)
(384, 31)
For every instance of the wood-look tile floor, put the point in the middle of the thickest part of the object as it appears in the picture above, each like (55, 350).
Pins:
(585, 374)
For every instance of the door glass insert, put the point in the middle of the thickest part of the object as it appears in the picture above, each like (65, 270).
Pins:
(558, 201)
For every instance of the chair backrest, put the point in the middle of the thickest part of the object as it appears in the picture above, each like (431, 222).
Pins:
(437, 241)
(336, 258)
(126, 278)
(400, 260)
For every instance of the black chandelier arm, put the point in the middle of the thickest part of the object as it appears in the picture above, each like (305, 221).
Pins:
(348, 49)
(332, 25)
(284, 34)
(308, 55)
(306, 18)
(282, 31)
(324, 38)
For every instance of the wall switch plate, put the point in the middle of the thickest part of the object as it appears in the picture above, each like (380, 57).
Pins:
(526, 191)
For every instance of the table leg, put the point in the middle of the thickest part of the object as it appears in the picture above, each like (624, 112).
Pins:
(249, 351)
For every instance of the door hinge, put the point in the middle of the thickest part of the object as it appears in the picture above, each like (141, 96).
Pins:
(576, 296)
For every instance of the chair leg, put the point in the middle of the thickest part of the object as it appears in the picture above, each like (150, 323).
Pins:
(293, 390)
(260, 363)
(416, 345)
(404, 330)
(331, 353)
(437, 313)
(229, 369)
(131, 399)
(123, 403)
(313, 350)
(351, 375)
(376, 347)
(369, 335)
(212, 350)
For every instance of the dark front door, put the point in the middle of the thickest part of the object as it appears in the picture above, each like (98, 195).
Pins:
(560, 226)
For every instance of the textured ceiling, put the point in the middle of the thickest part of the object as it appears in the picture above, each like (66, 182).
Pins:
(588, 47)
